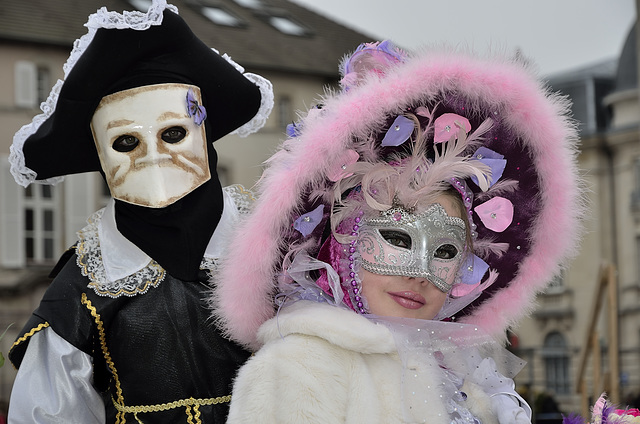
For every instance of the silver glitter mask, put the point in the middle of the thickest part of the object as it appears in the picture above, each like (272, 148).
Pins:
(428, 245)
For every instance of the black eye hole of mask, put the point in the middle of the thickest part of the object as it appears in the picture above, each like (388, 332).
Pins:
(446, 251)
(397, 238)
(125, 143)
(173, 135)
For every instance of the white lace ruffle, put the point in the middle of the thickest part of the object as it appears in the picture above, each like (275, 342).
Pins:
(89, 259)
(101, 19)
(266, 105)
(266, 101)
(243, 198)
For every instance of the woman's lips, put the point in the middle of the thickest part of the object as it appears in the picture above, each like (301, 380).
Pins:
(408, 299)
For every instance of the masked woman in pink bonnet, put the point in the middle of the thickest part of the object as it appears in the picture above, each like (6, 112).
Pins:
(401, 229)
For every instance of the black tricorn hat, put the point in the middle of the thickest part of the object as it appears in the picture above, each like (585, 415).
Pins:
(59, 141)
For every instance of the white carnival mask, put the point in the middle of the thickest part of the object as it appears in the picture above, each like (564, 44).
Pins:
(152, 144)
(428, 245)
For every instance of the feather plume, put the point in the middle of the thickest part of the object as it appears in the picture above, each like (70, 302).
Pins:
(435, 176)
(573, 419)
(498, 189)
(485, 247)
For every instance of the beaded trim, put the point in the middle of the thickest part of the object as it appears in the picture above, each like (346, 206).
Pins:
(354, 281)
(467, 199)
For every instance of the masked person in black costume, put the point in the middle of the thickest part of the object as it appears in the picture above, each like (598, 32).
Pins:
(122, 334)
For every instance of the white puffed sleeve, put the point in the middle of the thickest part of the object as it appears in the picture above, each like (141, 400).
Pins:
(53, 384)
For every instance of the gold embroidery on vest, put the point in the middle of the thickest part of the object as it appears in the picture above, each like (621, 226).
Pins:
(135, 410)
(196, 409)
(185, 403)
(29, 334)
(189, 416)
(105, 352)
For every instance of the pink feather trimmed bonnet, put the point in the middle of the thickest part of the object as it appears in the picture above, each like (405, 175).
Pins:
(525, 215)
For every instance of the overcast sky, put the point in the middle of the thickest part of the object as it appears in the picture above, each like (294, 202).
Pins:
(558, 35)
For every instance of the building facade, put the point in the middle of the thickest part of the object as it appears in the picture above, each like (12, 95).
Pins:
(553, 340)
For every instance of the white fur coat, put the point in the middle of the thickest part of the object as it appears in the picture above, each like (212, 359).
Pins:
(323, 364)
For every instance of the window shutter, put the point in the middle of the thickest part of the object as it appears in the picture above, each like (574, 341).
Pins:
(26, 84)
(11, 219)
(79, 203)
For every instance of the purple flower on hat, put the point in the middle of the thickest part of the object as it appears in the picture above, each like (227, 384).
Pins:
(194, 109)
(306, 223)
(292, 130)
(370, 58)
(448, 125)
(399, 132)
(493, 160)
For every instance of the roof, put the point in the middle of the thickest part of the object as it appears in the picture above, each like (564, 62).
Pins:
(627, 77)
(255, 42)
(605, 69)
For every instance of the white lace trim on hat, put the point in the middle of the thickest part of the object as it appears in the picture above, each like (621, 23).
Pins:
(266, 101)
(266, 105)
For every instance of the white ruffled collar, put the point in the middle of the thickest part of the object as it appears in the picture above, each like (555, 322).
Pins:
(116, 267)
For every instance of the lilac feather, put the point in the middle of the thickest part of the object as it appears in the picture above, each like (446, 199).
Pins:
(573, 419)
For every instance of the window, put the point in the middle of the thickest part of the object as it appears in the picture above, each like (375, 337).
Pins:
(557, 284)
(141, 5)
(556, 362)
(638, 259)
(635, 193)
(285, 112)
(25, 87)
(40, 224)
(32, 84)
(220, 16)
(287, 26)
(251, 4)
(43, 84)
